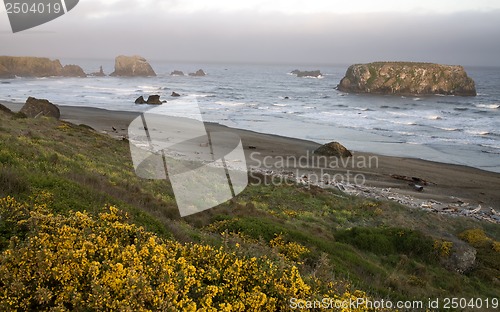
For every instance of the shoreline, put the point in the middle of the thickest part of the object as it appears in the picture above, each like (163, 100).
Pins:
(452, 189)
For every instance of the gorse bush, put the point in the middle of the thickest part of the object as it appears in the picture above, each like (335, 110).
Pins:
(476, 237)
(78, 262)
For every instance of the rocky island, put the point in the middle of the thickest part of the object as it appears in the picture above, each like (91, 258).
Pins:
(407, 78)
(307, 73)
(132, 66)
(12, 66)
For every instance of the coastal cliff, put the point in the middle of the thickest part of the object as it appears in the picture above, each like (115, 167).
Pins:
(407, 78)
(11, 66)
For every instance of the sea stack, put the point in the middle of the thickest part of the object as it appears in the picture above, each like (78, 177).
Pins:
(407, 78)
(132, 66)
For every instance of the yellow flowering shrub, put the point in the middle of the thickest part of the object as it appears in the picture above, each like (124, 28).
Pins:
(290, 250)
(443, 248)
(475, 237)
(496, 246)
(81, 262)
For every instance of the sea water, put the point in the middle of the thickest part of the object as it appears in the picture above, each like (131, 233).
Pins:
(267, 98)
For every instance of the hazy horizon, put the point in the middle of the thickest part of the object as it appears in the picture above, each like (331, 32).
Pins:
(253, 31)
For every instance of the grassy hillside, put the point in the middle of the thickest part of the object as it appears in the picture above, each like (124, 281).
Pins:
(279, 242)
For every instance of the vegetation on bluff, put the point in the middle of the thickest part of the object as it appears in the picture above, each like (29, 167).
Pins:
(79, 228)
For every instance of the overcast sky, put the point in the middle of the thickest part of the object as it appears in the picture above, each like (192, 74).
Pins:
(286, 31)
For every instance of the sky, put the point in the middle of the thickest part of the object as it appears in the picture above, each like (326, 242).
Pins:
(268, 31)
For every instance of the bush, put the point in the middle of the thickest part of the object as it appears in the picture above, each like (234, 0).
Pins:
(80, 262)
(475, 237)
(386, 241)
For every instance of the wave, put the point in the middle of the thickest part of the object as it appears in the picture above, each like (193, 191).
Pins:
(461, 109)
(151, 88)
(225, 103)
(435, 117)
(490, 106)
(496, 147)
(490, 152)
(280, 105)
(479, 132)
(406, 133)
(314, 77)
(449, 129)
(201, 95)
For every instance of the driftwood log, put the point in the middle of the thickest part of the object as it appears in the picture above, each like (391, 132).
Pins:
(414, 180)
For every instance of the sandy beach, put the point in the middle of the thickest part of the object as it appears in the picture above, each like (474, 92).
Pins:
(447, 189)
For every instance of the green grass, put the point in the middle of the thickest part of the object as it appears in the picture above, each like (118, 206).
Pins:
(381, 247)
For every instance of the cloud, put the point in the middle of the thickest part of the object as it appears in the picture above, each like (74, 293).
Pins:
(245, 36)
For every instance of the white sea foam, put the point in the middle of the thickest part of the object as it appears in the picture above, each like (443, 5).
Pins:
(478, 132)
(490, 106)
(434, 117)
(229, 104)
(448, 129)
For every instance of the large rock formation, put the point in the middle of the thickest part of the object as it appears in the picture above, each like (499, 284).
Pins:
(11, 66)
(177, 73)
(37, 107)
(407, 78)
(132, 66)
(199, 73)
(72, 71)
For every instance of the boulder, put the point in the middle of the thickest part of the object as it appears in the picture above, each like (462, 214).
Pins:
(407, 78)
(132, 66)
(310, 73)
(5, 109)
(140, 100)
(462, 258)
(29, 67)
(154, 100)
(72, 71)
(175, 94)
(199, 73)
(39, 107)
(333, 149)
(177, 73)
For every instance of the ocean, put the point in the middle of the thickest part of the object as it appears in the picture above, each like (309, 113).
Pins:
(267, 98)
